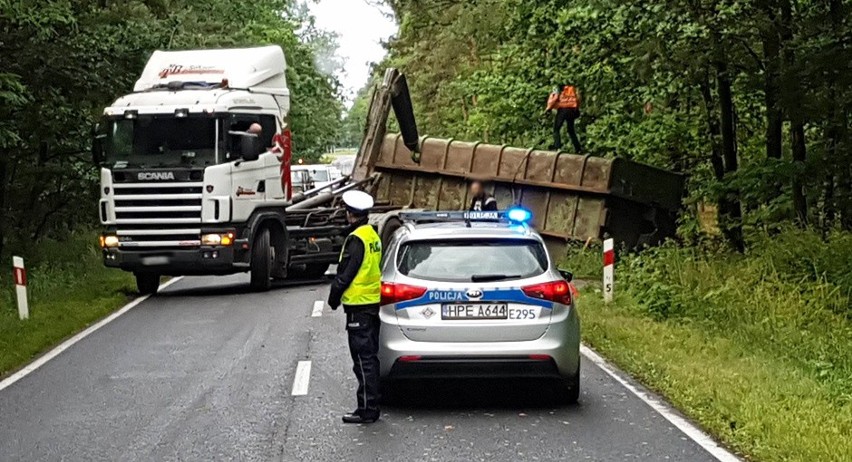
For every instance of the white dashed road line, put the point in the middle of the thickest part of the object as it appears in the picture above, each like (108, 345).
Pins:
(694, 433)
(303, 378)
(318, 306)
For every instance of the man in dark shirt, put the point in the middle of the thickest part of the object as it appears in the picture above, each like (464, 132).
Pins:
(480, 200)
(357, 287)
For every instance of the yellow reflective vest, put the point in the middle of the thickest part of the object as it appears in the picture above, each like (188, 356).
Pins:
(366, 288)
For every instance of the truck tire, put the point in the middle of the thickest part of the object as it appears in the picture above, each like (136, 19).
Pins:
(388, 229)
(147, 283)
(262, 259)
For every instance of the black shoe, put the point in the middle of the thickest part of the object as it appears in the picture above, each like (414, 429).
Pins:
(356, 418)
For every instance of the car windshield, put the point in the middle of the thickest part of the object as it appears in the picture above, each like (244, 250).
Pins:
(161, 141)
(458, 260)
(319, 175)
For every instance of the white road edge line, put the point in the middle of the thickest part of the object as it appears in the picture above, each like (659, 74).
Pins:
(42, 360)
(694, 433)
(318, 306)
(302, 379)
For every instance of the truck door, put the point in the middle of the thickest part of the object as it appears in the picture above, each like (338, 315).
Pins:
(251, 181)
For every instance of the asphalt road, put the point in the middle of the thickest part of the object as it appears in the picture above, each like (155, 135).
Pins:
(205, 371)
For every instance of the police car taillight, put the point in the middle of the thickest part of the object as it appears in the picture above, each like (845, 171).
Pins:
(395, 293)
(556, 291)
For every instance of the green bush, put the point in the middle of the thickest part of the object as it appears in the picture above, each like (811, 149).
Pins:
(757, 348)
(790, 296)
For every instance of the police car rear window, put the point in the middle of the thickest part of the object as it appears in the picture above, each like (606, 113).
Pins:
(472, 260)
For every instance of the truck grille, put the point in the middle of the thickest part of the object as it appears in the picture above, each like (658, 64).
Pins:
(159, 215)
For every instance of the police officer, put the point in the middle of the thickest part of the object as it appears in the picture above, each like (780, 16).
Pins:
(358, 287)
(480, 199)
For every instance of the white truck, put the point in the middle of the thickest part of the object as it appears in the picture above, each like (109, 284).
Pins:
(195, 174)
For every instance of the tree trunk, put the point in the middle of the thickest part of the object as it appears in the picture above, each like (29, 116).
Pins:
(838, 140)
(828, 210)
(772, 60)
(713, 128)
(4, 167)
(800, 201)
(797, 121)
(731, 218)
(729, 213)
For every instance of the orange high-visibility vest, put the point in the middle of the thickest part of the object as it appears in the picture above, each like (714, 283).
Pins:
(566, 99)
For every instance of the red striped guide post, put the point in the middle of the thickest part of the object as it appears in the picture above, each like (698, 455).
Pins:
(20, 276)
(609, 269)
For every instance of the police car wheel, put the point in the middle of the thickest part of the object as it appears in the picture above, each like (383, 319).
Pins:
(390, 391)
(568, 390)
(147, 283)
(262, 259)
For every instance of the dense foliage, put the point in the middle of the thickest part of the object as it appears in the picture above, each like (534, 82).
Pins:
(752, 99)
(62, 61)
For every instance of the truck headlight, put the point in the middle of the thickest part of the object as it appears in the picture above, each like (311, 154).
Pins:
(217, 239)
(108, 241)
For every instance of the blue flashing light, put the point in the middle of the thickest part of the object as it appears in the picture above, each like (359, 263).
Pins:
(519, 215)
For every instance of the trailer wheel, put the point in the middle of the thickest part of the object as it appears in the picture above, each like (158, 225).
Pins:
(147, 283)
(262, 259)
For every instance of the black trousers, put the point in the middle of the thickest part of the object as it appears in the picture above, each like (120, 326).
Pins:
(363, 327)
(568, 116)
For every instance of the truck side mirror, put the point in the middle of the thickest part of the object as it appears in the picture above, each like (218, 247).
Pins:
(98, 138)
(249, 144)
(250, 147)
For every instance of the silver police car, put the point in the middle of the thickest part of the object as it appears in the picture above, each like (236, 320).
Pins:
(475, 294)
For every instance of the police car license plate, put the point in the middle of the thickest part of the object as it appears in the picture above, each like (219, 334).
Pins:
(460, 311)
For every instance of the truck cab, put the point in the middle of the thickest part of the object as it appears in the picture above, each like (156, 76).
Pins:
(195, 167)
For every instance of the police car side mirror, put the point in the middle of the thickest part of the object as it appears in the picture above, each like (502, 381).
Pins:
(567, 275)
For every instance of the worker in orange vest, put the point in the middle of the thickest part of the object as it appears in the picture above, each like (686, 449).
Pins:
(566, 101)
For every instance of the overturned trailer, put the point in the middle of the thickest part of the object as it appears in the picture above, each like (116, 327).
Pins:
(572, 197)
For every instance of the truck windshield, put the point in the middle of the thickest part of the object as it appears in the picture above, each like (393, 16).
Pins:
(161, 141)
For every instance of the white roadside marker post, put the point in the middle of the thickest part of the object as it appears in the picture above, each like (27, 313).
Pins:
(609, 269)
(20, 274)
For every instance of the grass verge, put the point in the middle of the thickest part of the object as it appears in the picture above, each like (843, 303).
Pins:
(757, 349)
(69, 289)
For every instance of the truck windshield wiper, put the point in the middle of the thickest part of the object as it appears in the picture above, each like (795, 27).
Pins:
(493, 277)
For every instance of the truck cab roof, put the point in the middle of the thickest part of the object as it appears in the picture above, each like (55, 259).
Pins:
(210, 81)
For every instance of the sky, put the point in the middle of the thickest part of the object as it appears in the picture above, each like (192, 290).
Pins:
(362, 25)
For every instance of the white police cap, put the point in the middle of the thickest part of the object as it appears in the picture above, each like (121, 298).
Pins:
(358, 201)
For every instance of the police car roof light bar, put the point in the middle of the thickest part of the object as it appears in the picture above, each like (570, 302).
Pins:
(515, 215)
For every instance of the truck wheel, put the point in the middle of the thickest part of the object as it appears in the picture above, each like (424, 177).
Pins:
(147, 283)
(388, 229)
(262, 259)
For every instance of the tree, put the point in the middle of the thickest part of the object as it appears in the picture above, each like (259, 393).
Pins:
(751, 99)
(61, 63)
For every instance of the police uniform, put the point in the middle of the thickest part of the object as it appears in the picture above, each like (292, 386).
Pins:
(357, 287)
(483, 202)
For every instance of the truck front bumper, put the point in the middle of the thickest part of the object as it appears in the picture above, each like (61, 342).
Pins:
(196, 261)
